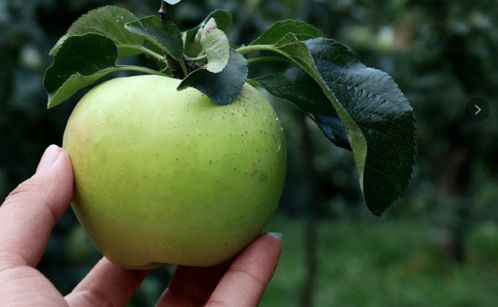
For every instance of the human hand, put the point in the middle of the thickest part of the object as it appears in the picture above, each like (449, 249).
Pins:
(30, 212)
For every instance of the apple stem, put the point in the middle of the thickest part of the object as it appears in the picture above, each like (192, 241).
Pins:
(177, 68)
(163, 10)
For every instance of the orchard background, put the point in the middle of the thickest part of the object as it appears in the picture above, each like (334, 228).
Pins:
(437, 246)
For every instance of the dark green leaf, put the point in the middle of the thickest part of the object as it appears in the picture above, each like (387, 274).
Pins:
(378, 118)
(80, 61)
(382, 112)
(278, 30)
(108, 21)
(223, 87)
(75, 83)
(162, 33)
(223, 19)
(191, 45)
(298, 87)
(334, 130)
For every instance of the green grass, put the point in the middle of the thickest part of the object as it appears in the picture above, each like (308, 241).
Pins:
(385, 263)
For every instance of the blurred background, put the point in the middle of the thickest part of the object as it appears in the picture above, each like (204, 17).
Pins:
(436, 246)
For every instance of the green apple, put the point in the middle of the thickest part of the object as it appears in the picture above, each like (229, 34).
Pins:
(167, 176)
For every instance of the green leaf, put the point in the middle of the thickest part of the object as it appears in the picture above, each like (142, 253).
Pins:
(162, 33)
(378, 118)
(333, 128)
(108, 21)
(384, 115)
(192, 46)
(278, 30)
(223, 19)
(297, 86)
(222, 87)
(215, 45)
(80, 61)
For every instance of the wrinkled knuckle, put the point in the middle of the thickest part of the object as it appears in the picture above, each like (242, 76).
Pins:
(217, 303)
(10, 260)
(92, 297)
(28, 193)
(249, 275)
(24, 190)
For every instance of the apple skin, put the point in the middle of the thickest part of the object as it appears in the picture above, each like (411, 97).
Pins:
(166, 176)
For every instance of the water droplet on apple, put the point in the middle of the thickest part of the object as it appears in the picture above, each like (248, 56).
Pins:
(278, 147)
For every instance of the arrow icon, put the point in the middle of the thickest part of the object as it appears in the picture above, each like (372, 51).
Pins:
(478, 109)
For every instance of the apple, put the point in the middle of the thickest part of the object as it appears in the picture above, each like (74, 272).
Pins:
(167, 176)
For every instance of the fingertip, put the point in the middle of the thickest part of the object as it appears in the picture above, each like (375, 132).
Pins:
(271, 241)
(276, 235)
(250, 273)
(64, 162)
(277, 238)
(48, 158)
(60, 173)
(262, 254)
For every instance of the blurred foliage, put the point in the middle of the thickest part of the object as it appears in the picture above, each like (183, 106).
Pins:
(394, 263)
(441, 53)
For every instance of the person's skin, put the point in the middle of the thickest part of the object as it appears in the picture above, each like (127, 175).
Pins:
(30, 212)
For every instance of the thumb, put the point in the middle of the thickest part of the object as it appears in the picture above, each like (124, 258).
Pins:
(30, 212)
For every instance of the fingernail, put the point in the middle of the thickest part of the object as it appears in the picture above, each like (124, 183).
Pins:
(49, 157)
(276, 235)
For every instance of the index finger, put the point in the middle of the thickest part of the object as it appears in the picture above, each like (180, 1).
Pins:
(247, 277)
(30, 212)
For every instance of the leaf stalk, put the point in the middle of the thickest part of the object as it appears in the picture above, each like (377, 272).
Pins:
(256, 48)
(138, 69)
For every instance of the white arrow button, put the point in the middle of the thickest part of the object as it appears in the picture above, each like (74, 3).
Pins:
(478, 109)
